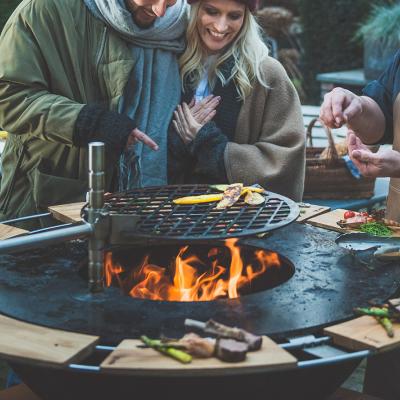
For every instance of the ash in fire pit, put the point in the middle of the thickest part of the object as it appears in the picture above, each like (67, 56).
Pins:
(195, 272)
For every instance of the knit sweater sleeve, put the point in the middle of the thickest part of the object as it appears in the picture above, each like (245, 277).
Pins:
(269, 146)
(96, 123)
(208, 147)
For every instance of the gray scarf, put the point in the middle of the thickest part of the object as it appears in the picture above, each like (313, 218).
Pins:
(153, 89)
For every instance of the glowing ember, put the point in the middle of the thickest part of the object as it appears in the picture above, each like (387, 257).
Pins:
(189, 277)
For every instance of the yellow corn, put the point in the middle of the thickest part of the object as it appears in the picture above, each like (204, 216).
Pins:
(204, 198)
(3, 135)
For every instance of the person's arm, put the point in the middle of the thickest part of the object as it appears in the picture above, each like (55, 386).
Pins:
(276, 160)
(361, 114)
(30, 105)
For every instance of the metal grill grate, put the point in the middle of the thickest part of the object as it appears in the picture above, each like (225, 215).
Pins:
(160, 218)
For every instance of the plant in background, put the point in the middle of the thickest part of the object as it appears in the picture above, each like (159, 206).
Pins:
(6, 9)
(329, 27)
(381, 36)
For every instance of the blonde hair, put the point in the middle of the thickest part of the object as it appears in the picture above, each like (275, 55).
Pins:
(248, 51)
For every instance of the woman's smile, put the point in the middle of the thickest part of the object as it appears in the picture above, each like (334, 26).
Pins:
(219, 23)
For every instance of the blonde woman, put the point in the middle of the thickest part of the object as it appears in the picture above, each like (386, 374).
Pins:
(255, 134)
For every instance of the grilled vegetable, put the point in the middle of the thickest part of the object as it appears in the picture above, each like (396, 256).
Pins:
(253, 198)
(231, 196)
(179, 355)
(204, 198)
(193, 344)
(373, 311)
(222, 188)
(387, 325)
(349, 214)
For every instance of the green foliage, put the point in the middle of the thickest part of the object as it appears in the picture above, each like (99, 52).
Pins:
(382, 25)
(329, 28)
(6, 9)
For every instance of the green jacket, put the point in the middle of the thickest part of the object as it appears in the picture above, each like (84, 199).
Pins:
(55, 58)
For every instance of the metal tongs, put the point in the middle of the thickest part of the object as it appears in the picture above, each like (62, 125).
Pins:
(386, 248)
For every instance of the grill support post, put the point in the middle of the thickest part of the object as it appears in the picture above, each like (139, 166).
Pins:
(96, 204)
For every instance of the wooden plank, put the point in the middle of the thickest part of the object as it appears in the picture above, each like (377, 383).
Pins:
(32, 343)
(310, 210)
(364, 333)
(149, 362)
(67, 213)
(329, 221)
(7, 231)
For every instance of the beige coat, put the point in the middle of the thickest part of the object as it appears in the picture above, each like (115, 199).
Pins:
(269, 142)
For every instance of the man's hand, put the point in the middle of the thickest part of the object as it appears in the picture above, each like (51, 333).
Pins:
(138, 136)
(339, 107)
(185, 123)
(384, 163)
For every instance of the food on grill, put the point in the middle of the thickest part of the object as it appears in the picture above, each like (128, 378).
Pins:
(254, 198)
(231, 350)
(212, 327)
(222, 188)
(170, 351)
(231, 196)
(204, 198)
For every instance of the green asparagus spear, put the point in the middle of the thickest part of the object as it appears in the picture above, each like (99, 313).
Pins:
(373, 311)
(387, 324)
(179, 355)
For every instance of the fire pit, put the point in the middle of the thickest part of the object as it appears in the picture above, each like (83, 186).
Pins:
(195, 272)
(292, 282)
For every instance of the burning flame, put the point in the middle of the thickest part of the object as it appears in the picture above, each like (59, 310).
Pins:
(183, 280)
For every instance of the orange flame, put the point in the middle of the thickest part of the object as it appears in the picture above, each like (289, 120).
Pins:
(182, 281)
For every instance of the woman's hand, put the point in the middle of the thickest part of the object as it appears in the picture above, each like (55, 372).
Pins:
(189, 119)
(204, 111)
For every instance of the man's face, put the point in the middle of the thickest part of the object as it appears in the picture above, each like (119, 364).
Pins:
(144, 12)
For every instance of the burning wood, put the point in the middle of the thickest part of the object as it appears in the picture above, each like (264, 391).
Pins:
(219, 273)
(211, 327)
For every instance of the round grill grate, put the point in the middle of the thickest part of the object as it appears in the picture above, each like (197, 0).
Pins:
(160, 218)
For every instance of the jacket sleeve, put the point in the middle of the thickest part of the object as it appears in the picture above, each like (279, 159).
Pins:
(208, 147)
(275, 157)
(28, 102)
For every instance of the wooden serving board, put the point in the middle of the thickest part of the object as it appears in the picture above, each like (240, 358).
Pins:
(329, 221)
(32, 343)
(149, 362)
(67, 213)
(364, 333)
(7, 231)
(311, 211)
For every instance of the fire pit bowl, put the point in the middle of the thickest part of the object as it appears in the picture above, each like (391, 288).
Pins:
(328, 282)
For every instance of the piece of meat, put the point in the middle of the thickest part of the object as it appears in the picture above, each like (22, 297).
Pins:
(212, 327)
(194, 344)
(231, 350)
(231, 196)
(354, 222)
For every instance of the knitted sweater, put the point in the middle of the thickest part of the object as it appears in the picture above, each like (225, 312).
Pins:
(261, 140)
